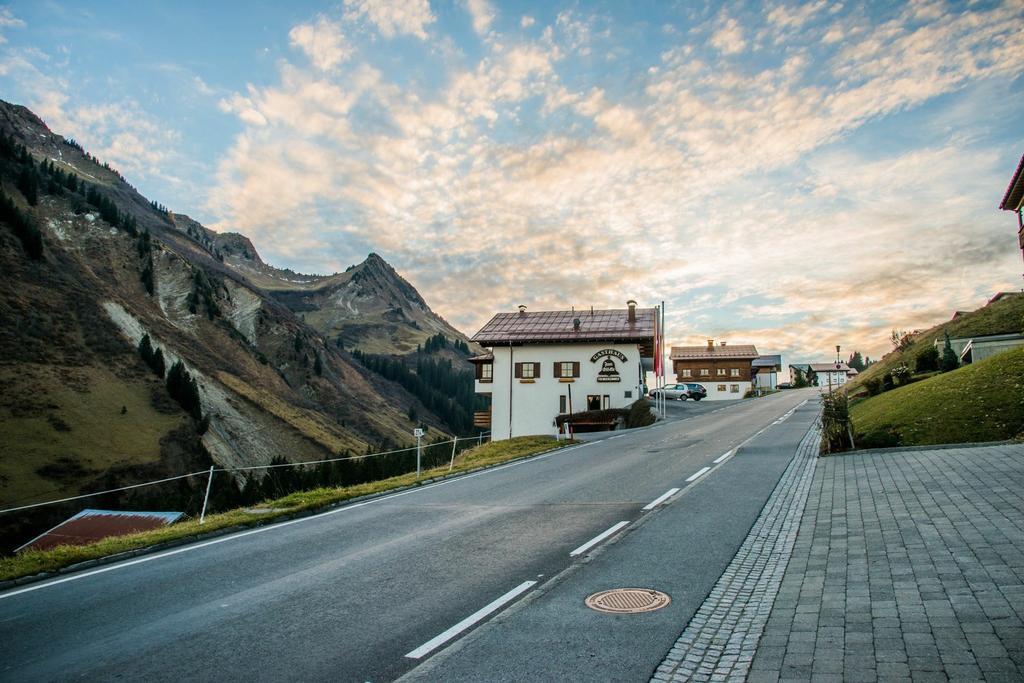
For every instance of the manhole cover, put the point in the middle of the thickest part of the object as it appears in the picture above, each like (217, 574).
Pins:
(628, 600)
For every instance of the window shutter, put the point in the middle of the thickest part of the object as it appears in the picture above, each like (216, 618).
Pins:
(536, 370)
(557, 370)
(575, 368)
(519, 370)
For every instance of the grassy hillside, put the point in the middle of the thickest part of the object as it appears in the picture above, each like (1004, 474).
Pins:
(979, 402)
(1002, 317)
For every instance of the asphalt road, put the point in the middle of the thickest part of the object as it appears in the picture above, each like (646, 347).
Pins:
(347, 595)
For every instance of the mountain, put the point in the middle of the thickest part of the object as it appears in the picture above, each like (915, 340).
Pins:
(90, 268)
(369, 306)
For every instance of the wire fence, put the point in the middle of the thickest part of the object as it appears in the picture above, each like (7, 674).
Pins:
(432, 450)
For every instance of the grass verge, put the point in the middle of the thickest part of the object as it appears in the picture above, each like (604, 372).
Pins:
(35, 562)
(979, 402)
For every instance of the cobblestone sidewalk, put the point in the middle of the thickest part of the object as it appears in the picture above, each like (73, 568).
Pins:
(720, 641)
(908, 565)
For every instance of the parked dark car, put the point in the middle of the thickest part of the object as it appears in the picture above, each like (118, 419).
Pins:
(697, 391)
(785, 385)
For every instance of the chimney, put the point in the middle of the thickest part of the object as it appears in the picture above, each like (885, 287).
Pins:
(711, 344)
(575, 324)
(722, 343)
(632, 311)
(522, 309)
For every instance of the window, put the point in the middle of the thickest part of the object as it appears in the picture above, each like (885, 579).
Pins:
(705, 371)
(721, 372)
(734, 372)
(485, 372)
(735, 388)
(629, 394)
(527, 370)
(606, 401)
(721, 387)
(562, 404)
(564, 369)
(593, 402)
(687, 373)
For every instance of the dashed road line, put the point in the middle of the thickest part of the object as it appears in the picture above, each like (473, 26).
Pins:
(698, 474)
(661, 499)
(432, 644)
(723, 456)
(597, 539)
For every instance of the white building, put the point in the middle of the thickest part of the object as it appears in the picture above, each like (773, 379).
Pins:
(830, 376)
(544, 364)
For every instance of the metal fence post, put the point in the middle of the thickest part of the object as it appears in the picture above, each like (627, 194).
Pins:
(455, 440)
(206, 498)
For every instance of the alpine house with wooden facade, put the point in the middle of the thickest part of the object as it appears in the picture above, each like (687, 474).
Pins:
(548, 363)
(725, 371)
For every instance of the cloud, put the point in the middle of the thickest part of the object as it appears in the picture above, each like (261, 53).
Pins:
(527, 21)
(728, 188)
(728, 38)
(323, 42)
(482, 12)
(8, 20)
(393, 17)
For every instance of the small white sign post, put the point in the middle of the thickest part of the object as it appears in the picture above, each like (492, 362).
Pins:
(418, 433)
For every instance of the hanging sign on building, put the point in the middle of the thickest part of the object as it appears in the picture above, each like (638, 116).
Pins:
(608, 371)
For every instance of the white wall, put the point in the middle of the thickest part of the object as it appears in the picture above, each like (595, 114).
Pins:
(535, 405)
(838, 380)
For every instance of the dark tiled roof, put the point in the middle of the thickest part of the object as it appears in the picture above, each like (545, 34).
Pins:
(482, 358)
(767, 361)
(743, 351)
(557, 326)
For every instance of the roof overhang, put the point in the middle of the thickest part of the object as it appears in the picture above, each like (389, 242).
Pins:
(1015, 191)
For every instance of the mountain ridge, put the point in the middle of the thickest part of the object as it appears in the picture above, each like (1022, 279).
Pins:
(82, 411)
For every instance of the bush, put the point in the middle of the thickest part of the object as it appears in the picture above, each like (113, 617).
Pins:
(640, 414)
(836, 426)
(927, 360)
(901, 375)
(874, 386)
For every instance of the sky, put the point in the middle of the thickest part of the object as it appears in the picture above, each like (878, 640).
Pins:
(792, 175)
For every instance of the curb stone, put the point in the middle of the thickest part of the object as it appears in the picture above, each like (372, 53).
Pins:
(721, 639)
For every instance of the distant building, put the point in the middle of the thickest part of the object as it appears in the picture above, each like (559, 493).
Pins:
(798, 371)
(829, 376)
(725, 371)
(544, 364)
(1013, 200)
(972, 349)
(766, 372)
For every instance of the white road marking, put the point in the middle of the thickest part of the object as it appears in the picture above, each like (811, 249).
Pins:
(661, 499)
(272, 527)
(434, 643)
(723, 456)
(597, 539)
(698, 474)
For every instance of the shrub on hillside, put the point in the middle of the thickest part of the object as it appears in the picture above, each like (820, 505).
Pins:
(836, 427)
(927, 360)
(949, 361)
(874, 386)
(901, 375)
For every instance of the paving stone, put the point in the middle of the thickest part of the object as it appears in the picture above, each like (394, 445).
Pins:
(901, 565)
